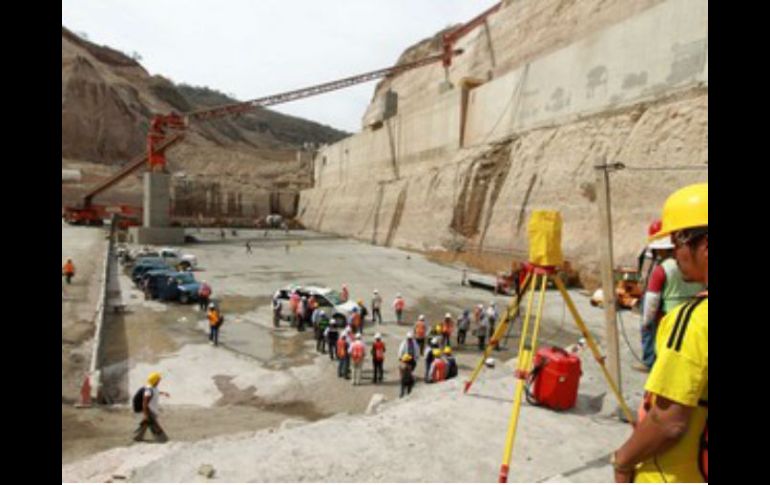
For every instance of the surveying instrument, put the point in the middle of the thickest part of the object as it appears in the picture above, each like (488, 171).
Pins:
(545, 256)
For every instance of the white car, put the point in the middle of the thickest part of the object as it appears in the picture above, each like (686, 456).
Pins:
(328, 301)
(175, 257)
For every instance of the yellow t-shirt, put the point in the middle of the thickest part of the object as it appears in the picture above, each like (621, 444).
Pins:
(680, 374)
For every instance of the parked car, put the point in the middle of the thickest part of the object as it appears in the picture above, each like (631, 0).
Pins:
(155, 279)
(181, 287)
(176, 258)
(328, 300)
(144, 265)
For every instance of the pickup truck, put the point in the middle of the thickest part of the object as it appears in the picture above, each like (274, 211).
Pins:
(176, 258)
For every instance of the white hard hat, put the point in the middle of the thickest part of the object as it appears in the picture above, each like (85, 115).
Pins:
(398, 295)
(377, 336)
(358, 336)
(490, 362)
(409, 334)
(422, 317)
(448, 315)
(375, 292)
(211, 305)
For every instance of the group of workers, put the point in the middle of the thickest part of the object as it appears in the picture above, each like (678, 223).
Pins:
(667, 441)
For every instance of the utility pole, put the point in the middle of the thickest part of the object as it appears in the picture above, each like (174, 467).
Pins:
(608, 281)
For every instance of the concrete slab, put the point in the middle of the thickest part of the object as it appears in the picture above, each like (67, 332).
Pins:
(277, 375)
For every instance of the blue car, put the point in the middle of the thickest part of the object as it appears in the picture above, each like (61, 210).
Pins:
(147, 264)
(156, 281)
(178, 286)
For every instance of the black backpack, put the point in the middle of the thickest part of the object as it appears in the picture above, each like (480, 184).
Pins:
(138, 400)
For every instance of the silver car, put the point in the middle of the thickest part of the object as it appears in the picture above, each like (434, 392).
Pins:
(328, 301)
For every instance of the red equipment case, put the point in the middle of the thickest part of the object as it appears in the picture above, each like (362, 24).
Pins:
(556, 377)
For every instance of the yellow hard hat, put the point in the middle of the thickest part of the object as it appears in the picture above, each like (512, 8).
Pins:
(436, 353)
(447, 350)
(153, 378)
(686, 208)
(406, 357)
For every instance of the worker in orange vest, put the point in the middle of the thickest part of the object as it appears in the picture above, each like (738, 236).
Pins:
(68, 270)
(398, 306)
(215, 321)
(354, 320)
(420, 331)
(357, 354)
(437, 368)
(378, 358)
(446, 329)
(343, 368)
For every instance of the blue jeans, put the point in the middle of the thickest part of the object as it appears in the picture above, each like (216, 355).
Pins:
(648, 343)
(343, 369)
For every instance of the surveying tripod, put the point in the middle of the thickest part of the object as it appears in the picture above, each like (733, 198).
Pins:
(537, 280)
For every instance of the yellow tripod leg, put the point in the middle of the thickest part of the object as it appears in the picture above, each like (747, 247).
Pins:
(522, 369)
(594, 348)
(508, 317)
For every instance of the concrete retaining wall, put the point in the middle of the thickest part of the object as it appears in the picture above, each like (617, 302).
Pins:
(635, 91)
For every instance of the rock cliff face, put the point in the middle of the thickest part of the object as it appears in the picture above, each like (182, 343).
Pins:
(546, 89)
(107, 101)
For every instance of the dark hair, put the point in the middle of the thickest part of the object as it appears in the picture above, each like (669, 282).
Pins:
(692, 236)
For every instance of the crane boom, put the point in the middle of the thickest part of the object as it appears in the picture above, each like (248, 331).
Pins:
(166, 130)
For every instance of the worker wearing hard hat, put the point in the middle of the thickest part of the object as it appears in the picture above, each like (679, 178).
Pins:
(667, 443)
(378, 358)
(150, 408)
(405, 369)
(376, 307)
(451, 363)
(215, 321)
(447, 327)
(666, 288)
(437, 371)
(68, 270)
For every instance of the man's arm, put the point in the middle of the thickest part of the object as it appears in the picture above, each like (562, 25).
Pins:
(663, 427)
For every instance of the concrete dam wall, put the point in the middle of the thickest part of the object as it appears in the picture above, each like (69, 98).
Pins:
(522, 127)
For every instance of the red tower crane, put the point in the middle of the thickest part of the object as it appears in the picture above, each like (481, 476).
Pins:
(166, 130)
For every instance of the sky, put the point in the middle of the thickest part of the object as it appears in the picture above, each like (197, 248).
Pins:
(255, 48)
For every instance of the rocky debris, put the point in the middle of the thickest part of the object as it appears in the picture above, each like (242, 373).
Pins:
(206, 471)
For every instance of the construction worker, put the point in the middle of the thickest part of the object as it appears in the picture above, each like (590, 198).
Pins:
(215, 321)
(665, 445)
(437, 371)
(446, 329)
(318, 329)
(666, 288)
(343, 369)
(409, 346)
(398, 306)
(405, 370)
(482, 331)
(150, 408)
(419, 333)
(364, 312)
(276, 309)
(463, 324)
(344, 295)
(354, 320)
(332, 334)
(430, 356)
(357, 353)
(204, 293)
(302, 314)
(492, 317)
(248, 247)
(478, 314)
(378, 358)
(451, 363)
(294, 300)
(376, 307)
(68, 270)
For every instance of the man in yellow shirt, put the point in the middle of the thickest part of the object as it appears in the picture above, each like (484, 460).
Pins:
(665, 444)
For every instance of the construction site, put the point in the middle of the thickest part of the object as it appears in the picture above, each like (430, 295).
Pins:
(583, 116)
